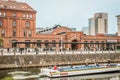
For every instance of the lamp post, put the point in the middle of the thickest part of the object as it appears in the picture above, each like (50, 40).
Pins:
(95, 45)
(61, 43)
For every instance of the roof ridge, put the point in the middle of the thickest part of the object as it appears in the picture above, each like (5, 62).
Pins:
(16, 5)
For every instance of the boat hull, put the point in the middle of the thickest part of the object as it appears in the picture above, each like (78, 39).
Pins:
(55, 73)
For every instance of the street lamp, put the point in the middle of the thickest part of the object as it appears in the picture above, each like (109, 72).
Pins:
(61, 43)
(95, 45)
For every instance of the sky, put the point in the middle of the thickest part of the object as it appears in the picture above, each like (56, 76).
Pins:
(74, 13)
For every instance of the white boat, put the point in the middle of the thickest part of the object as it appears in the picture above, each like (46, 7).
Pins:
(79, 70)
(108, 76)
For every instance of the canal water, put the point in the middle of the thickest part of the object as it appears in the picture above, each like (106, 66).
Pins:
(32, 74)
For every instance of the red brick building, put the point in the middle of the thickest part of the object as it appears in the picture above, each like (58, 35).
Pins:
(18, 24)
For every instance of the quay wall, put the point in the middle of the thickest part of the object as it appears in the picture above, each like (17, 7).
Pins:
(45, 60)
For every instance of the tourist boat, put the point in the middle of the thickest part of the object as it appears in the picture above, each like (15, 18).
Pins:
(79, 70)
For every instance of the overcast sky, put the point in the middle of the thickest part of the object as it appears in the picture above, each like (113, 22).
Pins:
(74, 13)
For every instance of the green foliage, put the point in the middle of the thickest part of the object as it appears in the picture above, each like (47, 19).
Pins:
(8, 78)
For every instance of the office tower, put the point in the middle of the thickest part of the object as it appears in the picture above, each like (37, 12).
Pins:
(118, 24)
(85, 30)
(98, 24)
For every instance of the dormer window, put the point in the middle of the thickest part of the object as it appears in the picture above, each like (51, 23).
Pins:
(14, 24)
(27, 24)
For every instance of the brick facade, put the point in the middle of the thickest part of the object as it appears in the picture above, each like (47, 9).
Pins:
(18, 24)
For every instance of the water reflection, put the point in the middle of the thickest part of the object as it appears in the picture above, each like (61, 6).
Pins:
(33, 74)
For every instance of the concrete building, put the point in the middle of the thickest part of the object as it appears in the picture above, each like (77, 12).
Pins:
(98, 24)
(85, 30)
(92, 26)
(118, 24)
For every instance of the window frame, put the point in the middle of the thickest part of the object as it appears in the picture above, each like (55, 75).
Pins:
(27, 24)
(1, 23)
(14, 23)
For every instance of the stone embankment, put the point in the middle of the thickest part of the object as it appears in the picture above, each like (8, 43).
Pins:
(45, 60)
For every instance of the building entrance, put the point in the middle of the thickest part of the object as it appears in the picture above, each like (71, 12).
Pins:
(74, 45)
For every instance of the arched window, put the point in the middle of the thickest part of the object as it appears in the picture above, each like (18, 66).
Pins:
(27, 24)
(14, 24)
(53, 43)
(86, 45)
(14, 44)
(27, 43)
(46, 44)
(59, 43)
(39, 43)
(0, 23)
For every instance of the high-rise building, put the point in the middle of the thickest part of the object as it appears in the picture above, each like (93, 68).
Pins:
(91, 26)
(118, 23)
(98, 24)
(85, 30)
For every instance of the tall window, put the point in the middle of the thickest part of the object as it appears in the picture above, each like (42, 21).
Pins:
(27, 24)
(39, 43)
(14, 44)
(30, 33)
(4, 14)
(53, 43)
(14, 23)
(25, 33)
(0, 23)
(14, 14)
(23, 15)
(0, 13)
(14, 32)
(3, 33)
(60, 43)
(27, 43)
(46, 44)
(85, 45)
(1, 43)
(31, 16)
